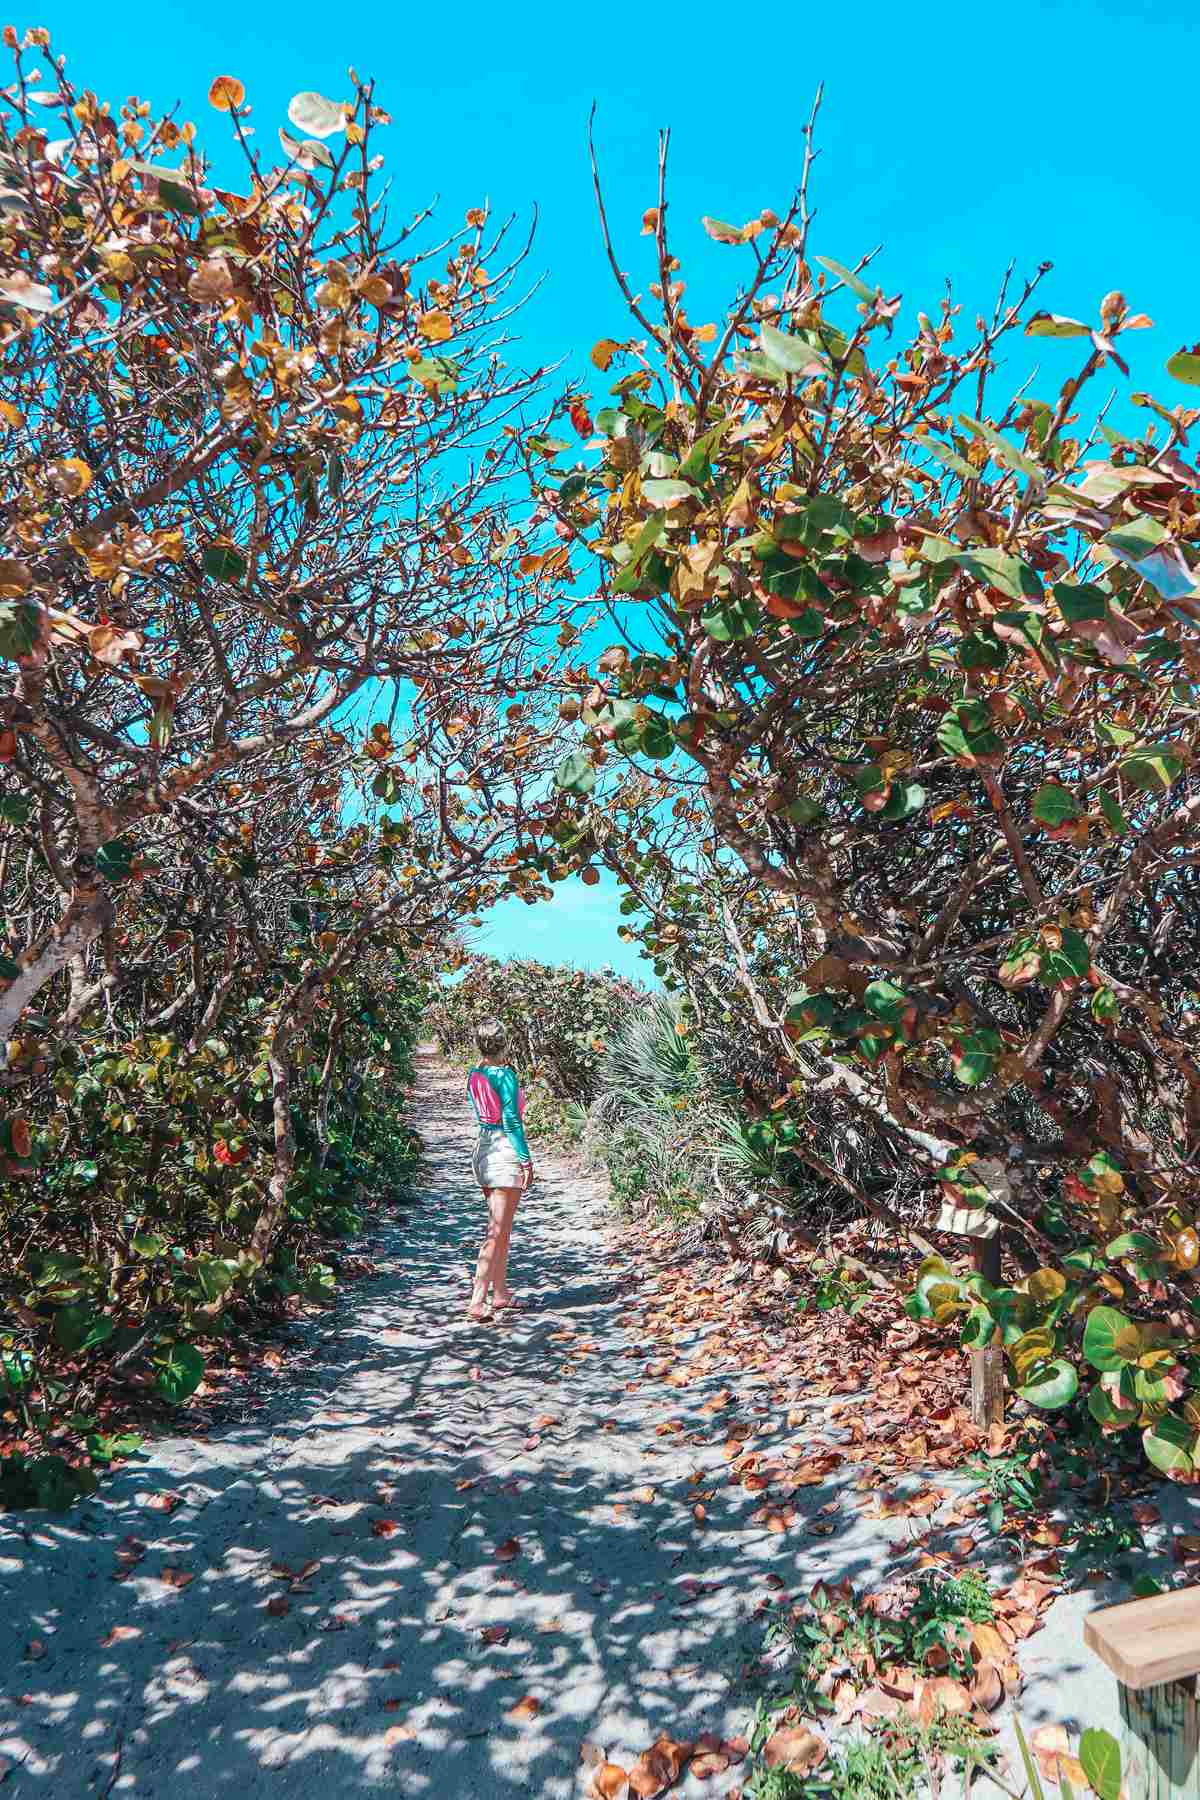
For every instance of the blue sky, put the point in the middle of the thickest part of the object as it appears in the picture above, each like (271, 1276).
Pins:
(958, 136)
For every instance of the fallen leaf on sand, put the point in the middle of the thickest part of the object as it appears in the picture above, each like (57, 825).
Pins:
(658, 1767)
(795, 1748)
(987, 1686)
(278, 1605)
(708, 1763)
(384, 1528)
(528, 1708)
(118, 1635)
(1048, 1743)
(176, 1578)
(507, 1550)
(608, 1781)
(989, 1643)
(942, 1695)
(494, 1634)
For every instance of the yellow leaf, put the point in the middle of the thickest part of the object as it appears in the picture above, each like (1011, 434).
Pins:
(1046, 1285)
(10, 414)
(70, 476)
(437, 326)
(604, 351)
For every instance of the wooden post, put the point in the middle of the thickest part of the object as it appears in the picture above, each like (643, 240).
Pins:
(1160, 1741)
(987, 1365)
(1153, 1648)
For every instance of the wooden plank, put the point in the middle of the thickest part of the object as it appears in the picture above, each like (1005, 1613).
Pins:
(1148, 1642)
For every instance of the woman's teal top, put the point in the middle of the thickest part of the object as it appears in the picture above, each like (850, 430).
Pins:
(504, 1085)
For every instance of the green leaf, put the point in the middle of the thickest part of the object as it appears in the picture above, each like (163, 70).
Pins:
(1170, 1444)
(854, 282)
(1080, 602)
(1147, 547)
(1068, 963)
(950, 459)
(1107, 1413)
(179, 1370)
(1009, 455)
(1009, 574)
(886, 1001)
(732, 620)
(114, 860)
(668, 493)
(1131, 1243)
(1152, 769)
(179, 198)
(223, 564)
(973, 1057)
(1053, 805)
(792, 354)
(1106, 1008)
(1054, 325)
(1112, 812)
(19, 627)
(9, 970)
(629, 576)
(576, 773)
(1104, 1326)
(978, 651)
(1185, 366)
(966, 732)
(440, 373)
(78, 1328)
(905, 799)
(104, 1446)
(15, 809)
(1055, 1384)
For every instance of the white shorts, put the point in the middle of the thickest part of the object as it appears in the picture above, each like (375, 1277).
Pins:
(496, 1163)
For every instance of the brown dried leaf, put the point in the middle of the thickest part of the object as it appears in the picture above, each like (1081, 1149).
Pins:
(796, 1748)
(608, 1781)
(527, 1708)
(118, 1635)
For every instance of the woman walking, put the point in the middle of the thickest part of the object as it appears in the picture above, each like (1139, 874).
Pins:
(502, 1164)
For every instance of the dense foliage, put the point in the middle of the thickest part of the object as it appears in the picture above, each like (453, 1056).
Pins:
(559, 1019)
(907, 667)
(272, 642)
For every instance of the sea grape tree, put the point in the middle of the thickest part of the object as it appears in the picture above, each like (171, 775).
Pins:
(916, 654)
(256, 443)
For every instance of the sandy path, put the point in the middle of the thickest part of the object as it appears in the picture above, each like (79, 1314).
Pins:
(391, 1460)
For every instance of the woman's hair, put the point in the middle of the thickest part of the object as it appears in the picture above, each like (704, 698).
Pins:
(490, 1035)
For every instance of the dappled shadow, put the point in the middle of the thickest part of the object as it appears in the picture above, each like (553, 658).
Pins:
(345, 1620)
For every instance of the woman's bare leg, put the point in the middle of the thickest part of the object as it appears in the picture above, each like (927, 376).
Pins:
(508, 1197)
(488, 1250)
